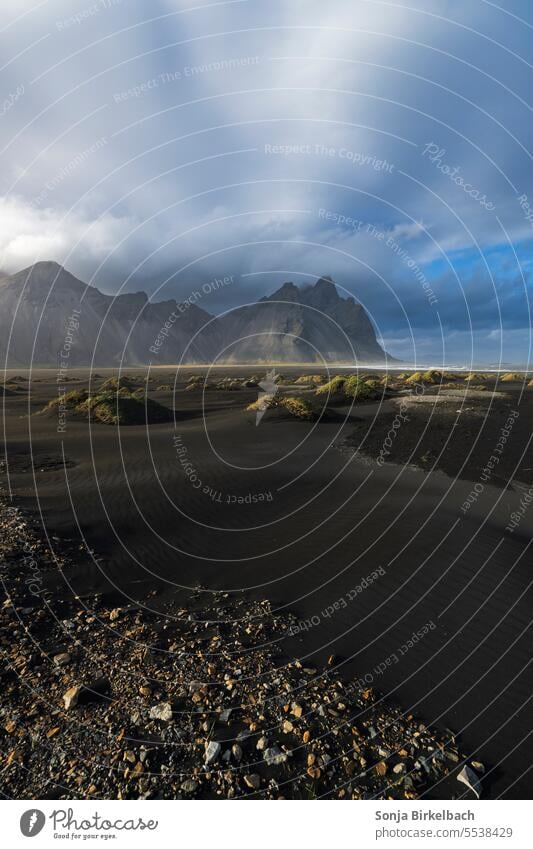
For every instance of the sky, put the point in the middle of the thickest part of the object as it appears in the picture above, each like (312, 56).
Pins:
(164, 145)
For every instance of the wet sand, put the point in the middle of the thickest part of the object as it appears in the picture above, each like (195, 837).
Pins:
(290, 511)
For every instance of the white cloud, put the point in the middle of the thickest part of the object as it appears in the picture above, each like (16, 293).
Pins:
(28, 235)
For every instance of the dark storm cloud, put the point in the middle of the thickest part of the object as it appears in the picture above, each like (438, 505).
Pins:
(159, 147)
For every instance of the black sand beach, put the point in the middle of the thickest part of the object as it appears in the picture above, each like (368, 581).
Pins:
(389, 575)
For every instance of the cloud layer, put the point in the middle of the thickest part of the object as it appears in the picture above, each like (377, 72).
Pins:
(387, 146)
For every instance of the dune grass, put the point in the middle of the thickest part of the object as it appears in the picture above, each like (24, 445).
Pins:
(349, 388)
(121, 407)
(512, 377)
(298, 408)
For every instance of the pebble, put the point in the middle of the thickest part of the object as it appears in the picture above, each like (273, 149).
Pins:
(212, 751)
(70, 698)
(237, 647)
(162, 711)
(274, 757)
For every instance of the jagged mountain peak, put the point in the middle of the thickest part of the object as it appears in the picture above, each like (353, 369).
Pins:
(323, 288)
(294, 324)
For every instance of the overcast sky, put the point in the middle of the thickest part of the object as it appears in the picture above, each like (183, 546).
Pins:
(159, 145)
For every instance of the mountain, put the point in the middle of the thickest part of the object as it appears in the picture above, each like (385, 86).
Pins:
(311, 324)
(49, 317)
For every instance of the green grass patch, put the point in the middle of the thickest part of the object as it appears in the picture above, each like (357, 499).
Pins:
(121, 407)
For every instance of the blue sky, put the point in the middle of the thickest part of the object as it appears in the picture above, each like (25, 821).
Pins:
(159, 145)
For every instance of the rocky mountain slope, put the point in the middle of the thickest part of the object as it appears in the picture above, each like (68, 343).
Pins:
(49, 317)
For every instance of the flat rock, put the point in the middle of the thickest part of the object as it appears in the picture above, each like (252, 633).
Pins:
(212, 751)
(469, 777)
(162, 711)
(274, 756)
(70, 698)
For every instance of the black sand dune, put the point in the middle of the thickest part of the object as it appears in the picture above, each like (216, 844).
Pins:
(288, 511)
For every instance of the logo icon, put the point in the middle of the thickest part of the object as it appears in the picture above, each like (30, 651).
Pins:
(32, 822)
(269, 389)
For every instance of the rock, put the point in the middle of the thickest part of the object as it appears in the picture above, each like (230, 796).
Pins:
(274, 757)
(115, 613)
(397, 768)
(98, 689)
(469, 777)
(70, 698)
(296, 710)
(137, 770)
(189, 786)
(62, 658)
(262, 743)
(212, 751)
(162, 711)
(287, 726)
(313, 772)
(225, 715)
(381, 768)
(236, 752)
(252, 781)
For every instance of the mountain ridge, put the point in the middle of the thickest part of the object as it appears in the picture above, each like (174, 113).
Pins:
(308, 324)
